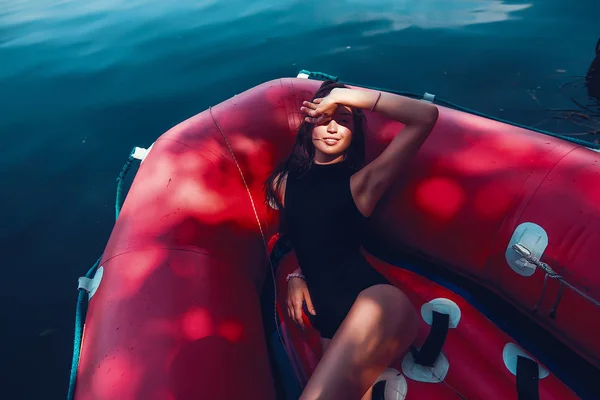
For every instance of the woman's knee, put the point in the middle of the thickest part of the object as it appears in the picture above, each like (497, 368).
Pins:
(391, 305)
(388, 297)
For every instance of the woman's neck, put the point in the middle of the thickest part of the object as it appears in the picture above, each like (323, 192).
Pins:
(323, 159)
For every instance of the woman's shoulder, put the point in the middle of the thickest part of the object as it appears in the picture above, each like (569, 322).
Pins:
(293, 175)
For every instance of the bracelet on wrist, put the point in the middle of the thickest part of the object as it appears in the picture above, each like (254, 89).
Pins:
(294, 275)
(376, 101)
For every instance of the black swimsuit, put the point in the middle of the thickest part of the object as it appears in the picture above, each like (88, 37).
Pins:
(326, 230)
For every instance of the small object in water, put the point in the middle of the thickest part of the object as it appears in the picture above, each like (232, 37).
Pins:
(47, 332)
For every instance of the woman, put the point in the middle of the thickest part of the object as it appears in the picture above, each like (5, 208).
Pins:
(326, 193)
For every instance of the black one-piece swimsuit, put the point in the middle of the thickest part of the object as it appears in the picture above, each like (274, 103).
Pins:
(326, 231)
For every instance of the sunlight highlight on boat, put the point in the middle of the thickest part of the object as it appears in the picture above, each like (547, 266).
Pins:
(197, 323)
(431, 190)
(131, 277)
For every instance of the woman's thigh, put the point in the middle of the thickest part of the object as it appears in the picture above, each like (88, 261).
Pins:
(381, 323)
(324, 343)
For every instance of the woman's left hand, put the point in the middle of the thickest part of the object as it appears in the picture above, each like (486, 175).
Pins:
(321, 110)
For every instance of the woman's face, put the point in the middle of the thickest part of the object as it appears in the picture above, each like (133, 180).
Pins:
(332, 139)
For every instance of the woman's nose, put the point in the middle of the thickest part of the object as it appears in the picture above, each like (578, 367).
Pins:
(332, 126)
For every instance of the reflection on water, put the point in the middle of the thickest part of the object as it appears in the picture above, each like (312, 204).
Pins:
(432, 13)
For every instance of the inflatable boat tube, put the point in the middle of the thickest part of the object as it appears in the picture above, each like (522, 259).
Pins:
(174, 312)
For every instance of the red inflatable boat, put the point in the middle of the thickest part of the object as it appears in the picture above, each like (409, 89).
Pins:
(174, 310)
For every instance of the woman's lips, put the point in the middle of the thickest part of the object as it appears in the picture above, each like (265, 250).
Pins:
(331, 141)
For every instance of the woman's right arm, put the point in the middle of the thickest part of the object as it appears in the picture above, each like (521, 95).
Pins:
(297, 293)
(279, 188)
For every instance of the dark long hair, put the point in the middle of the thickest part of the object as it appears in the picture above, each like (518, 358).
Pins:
(303, 153)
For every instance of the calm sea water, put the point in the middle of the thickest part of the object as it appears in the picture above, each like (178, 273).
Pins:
(82, 82)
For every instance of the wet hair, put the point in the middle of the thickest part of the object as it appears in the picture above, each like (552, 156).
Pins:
(303, 153)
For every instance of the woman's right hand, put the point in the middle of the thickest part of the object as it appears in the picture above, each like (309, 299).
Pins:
(321, 110)
(296, 296)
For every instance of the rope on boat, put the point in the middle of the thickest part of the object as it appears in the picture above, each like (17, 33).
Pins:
(120, 179)
(82, 295)
(449, 104)
(550, 273)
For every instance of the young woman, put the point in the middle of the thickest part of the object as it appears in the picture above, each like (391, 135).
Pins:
(325, 194)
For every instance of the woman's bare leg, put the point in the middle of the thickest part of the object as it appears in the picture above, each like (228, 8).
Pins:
(324, 344)
(381, 323)
(368, 395)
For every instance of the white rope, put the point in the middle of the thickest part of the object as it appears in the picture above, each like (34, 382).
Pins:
(550, 273)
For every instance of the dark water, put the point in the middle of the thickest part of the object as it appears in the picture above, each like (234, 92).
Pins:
(82, 82)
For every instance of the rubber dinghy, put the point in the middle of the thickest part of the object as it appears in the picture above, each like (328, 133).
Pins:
(175, 304)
